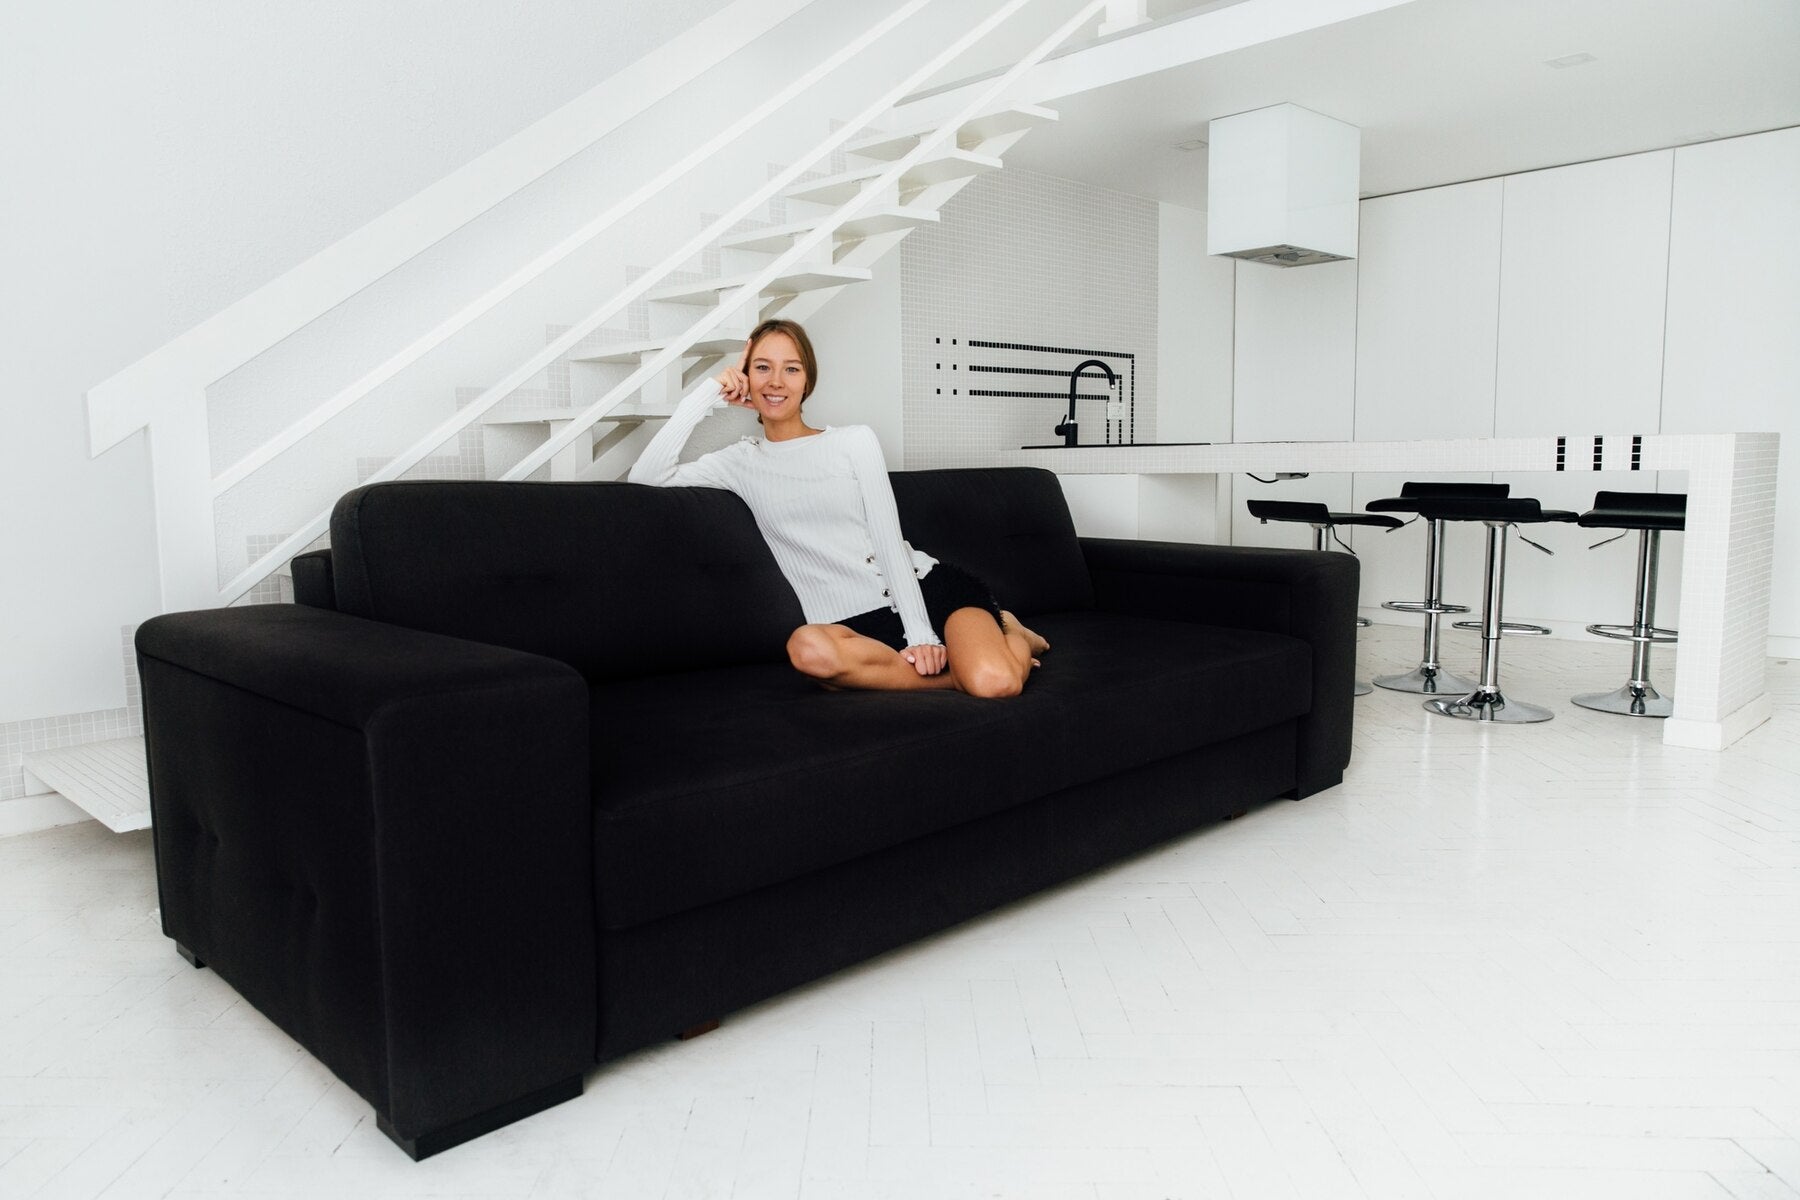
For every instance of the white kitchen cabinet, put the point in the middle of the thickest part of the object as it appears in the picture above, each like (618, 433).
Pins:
(1583, 268)
(1428, 294)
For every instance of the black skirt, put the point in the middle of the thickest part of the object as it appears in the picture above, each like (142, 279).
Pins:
(945, 588)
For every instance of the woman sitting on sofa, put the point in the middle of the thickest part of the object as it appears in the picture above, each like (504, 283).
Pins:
(821, 498)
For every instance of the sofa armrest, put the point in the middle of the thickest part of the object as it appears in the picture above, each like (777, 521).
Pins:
(313, 584)
(383, 839)
(1301, 593)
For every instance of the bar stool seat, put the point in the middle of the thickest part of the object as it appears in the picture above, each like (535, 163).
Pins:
(1322, 519)
(1486, 702)
(1429, 678)
(1652, 514)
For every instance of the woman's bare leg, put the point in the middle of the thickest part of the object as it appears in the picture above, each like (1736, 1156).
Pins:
(839, 657)
(984, 661)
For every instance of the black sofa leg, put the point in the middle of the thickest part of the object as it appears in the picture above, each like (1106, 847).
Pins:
(694, 1031)
(436, 1141)
(192, 958)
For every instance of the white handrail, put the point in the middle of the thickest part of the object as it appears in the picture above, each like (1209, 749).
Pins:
(183, 368)
(320, 522)
(288, 438)
(580, 422)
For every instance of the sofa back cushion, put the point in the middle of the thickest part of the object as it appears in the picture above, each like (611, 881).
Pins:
(1009, 525)
(616, 579)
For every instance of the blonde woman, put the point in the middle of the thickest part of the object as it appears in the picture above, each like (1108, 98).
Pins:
(880, 614)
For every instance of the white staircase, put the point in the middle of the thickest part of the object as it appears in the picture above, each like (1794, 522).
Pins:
(791, 268)
(785, 247)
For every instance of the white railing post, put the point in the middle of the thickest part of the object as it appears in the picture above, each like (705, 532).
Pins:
(181, 484)
(1124, 14)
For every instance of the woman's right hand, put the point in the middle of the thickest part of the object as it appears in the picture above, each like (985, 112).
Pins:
(734, 384)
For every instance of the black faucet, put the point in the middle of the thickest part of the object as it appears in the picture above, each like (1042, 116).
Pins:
(1070, 431)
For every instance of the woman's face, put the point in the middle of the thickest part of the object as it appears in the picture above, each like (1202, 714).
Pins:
(777, 377)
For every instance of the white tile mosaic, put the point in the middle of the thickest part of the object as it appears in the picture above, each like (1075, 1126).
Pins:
(1023, 278)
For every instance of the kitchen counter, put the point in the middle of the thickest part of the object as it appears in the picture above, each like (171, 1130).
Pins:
(1727, 550)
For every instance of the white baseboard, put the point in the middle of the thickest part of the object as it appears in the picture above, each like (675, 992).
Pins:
(1716, 735)
(30, 814)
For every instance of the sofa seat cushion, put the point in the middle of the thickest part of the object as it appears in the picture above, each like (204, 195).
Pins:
(709, 784)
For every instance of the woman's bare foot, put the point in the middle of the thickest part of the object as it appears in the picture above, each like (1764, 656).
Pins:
(1032, 638)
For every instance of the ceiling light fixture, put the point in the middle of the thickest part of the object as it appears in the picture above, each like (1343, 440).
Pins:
(1569, 60)
(1195, 144)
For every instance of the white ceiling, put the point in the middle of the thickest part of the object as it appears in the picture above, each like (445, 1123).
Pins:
(1449, 90)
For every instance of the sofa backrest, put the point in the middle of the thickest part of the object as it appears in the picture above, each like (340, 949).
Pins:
(1009, 525)
(618, 580)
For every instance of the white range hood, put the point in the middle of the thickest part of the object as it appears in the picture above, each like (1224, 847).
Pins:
(1282, 187)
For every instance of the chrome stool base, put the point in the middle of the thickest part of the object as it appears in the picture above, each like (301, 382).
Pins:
(1629, 700)
(1426, 681)
(1493, 706)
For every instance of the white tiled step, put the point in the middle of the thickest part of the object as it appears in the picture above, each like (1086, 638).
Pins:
(889, 146)
(954, 164)
(107, 780)
(549, 416)
(643, 412)
(526, 416)
(630, 353)
(807, 279)
(894, 218)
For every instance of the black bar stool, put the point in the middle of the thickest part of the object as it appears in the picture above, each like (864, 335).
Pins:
(1429, 677)
(1652, 514)
(1485, 701)
(1306, 512)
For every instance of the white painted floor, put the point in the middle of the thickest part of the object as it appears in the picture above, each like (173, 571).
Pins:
(1541, 961)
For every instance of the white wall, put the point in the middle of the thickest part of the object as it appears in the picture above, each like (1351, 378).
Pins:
(1195, 325)
(1023, 259)
(162, 161)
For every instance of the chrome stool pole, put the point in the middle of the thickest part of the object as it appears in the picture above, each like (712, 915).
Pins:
(1322, 519)
(1650, 513)
(1485, 701)
(1429, 678)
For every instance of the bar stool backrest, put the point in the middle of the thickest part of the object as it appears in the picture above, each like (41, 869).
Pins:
(1434, 491)
(1307, 511)
(1469, 508)
(1637, 510)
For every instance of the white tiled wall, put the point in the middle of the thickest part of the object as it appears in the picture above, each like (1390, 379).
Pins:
(19, 738)
(1025, 260)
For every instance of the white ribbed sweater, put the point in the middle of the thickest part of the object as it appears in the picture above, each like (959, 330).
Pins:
(824, 505)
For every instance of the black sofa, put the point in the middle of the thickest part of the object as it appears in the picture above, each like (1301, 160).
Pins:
(525, 782)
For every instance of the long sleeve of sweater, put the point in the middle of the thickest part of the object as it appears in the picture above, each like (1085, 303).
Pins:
(658, 464)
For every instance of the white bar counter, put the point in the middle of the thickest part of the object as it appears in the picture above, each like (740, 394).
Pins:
(1727, 551)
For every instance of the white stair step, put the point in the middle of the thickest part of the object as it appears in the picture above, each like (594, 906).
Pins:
(641, 412)
(631, 353)
(892, 218)
(525, 416)
(804, 279)
(108, 780)
(547, 416)
(952, 164)
(890, 146)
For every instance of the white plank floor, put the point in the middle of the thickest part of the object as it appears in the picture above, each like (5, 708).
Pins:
(1547, 961)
